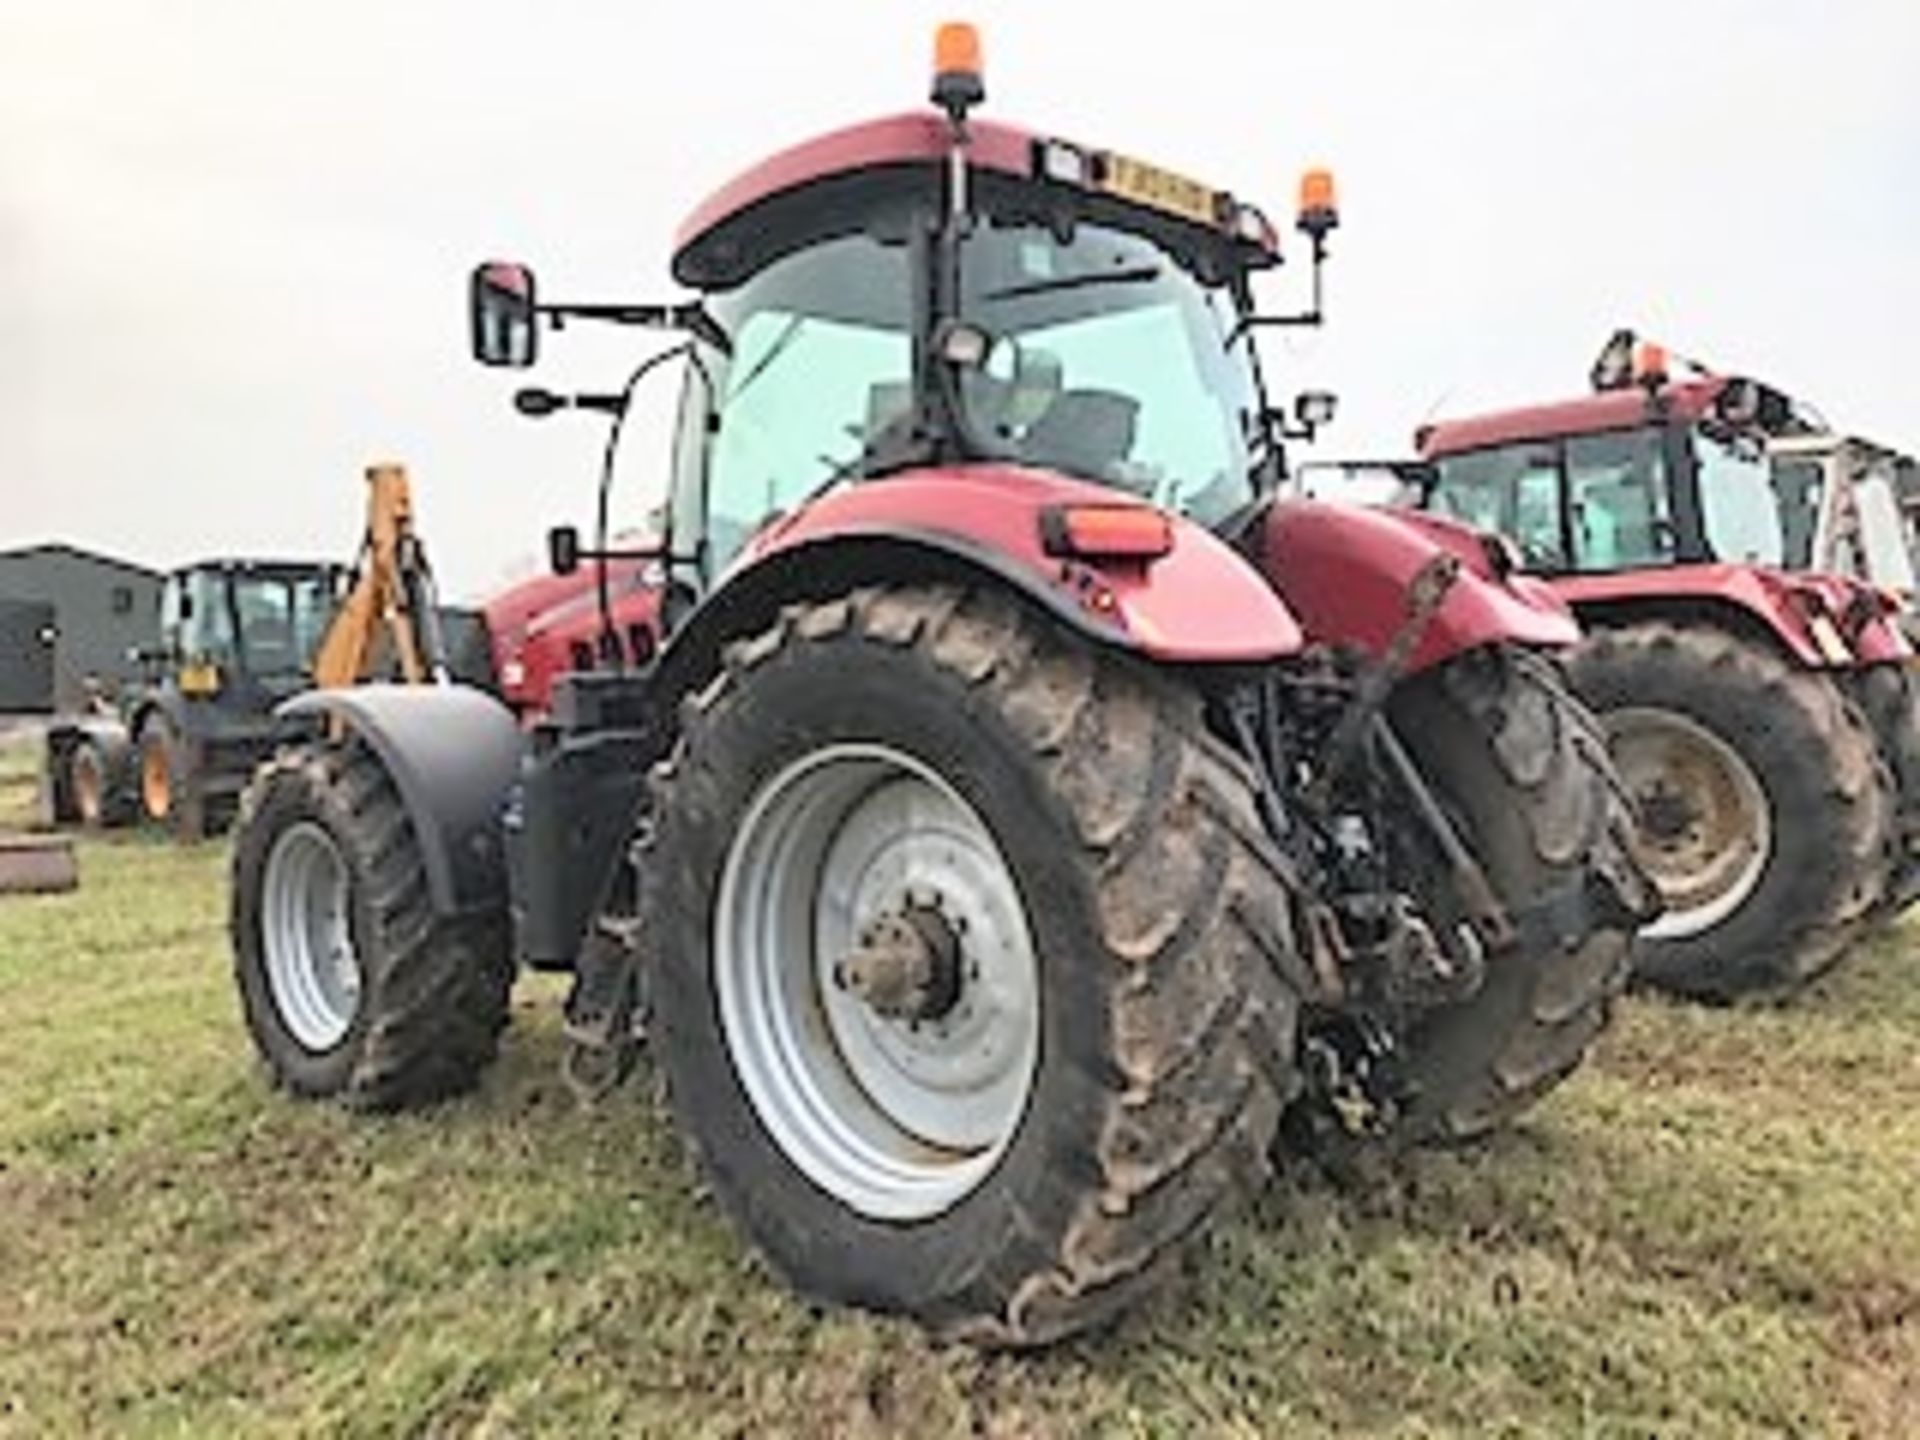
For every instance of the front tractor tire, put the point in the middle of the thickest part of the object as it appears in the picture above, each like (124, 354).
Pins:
(1765, 810)
(974, 983)
(351, 987)
(1521, 769)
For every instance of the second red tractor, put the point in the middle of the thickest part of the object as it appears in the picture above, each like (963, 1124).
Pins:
(1762, 714)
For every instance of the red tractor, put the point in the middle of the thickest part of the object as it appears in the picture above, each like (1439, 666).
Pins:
(1764, 717)
(1000, 814)
(548, 626)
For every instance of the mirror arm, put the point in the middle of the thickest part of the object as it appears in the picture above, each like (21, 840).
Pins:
(690, 317)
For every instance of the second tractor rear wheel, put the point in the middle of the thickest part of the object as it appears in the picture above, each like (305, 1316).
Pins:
(1889, 696)
(1764, 809)
(169, 790)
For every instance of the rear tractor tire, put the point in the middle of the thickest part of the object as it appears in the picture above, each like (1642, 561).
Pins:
(1765, 811)
(351, 986)
(973, 978)
(1520, 768)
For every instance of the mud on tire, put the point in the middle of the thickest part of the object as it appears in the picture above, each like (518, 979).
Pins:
(1521, 767)
(1827, 796)
(1166, 972)
(432, 991)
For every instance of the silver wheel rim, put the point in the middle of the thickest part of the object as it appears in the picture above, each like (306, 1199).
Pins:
(1707, 859)
(897, 1118)
(312, 970)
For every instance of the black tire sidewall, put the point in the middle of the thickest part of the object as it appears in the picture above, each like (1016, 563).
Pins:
(1890, 700)
(800, 700)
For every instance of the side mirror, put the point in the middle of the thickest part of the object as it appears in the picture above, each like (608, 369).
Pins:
(563, 549)
(501, 315)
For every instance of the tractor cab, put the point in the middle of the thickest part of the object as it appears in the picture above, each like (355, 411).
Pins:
(243, 625)
(1851, 503)
(936, 291)
(1090, 333)
(1648, 471)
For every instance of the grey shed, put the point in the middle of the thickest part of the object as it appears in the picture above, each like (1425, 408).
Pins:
(103, 608)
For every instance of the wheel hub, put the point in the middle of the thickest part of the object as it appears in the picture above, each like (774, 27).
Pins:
(1706, 828)
(156, 783)
(1666, 814)
(306, 932)
(876, 979)
(906, 966)
(88, 790)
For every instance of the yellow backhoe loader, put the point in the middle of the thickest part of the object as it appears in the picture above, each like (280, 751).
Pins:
(238, 637)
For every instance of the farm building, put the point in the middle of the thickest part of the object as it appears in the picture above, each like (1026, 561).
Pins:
(93, 608)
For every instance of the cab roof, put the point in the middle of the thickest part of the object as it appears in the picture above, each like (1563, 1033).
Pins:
(743, 223)
(918, 136)
(1583, 415)
(273, 567)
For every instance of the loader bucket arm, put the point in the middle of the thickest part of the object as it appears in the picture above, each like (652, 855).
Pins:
(394, 589)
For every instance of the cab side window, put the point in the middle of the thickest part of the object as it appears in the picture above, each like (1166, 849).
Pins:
(1511, 489)
(1617, 494)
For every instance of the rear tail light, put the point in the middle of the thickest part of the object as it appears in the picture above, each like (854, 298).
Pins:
(1106, 532)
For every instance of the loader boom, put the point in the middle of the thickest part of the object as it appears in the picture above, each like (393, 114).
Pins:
(393, 589)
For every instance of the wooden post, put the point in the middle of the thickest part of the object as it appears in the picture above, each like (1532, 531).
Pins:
(37, 865)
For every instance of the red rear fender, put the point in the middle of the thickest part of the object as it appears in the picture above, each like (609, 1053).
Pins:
(1198, 602)
(1345, 571)
(1823, 621)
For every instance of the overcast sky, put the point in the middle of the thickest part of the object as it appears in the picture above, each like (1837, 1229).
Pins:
(234, 236)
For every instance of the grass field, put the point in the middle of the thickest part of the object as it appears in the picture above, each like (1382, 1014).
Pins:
(1714, 1230)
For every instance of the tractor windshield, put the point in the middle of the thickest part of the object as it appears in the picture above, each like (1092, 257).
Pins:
(821, 369)
(1111, 364)
(282, 618)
